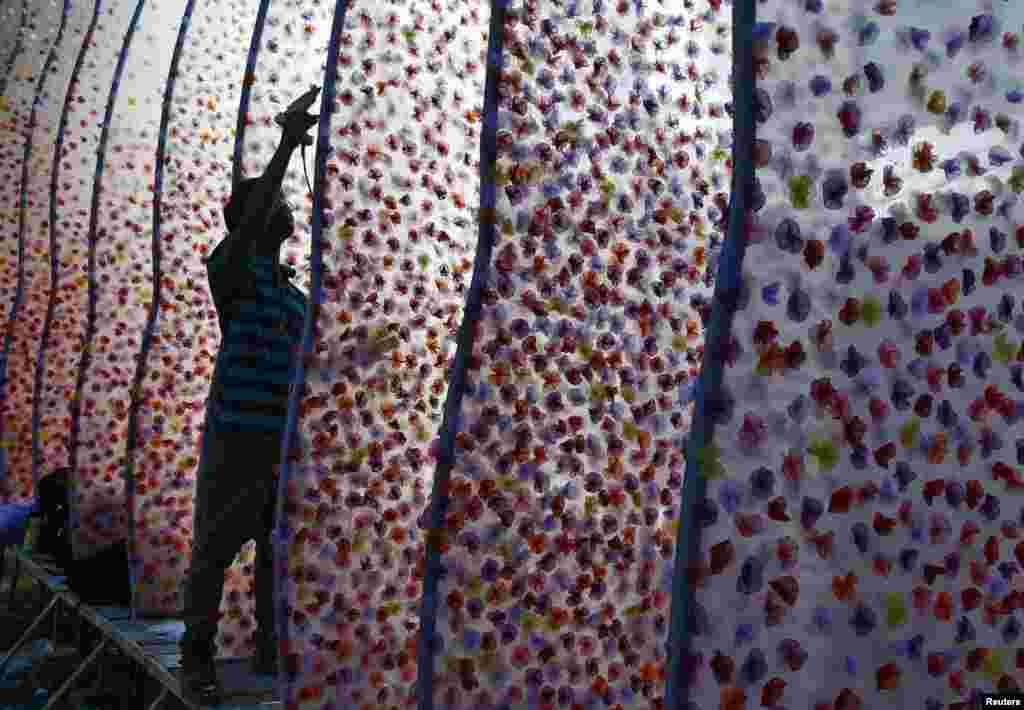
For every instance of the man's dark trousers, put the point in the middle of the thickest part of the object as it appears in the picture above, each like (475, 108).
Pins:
(235, 503)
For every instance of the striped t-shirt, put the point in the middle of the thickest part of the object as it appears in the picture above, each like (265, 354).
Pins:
(260, 333)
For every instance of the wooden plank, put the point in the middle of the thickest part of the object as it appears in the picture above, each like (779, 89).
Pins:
(169, 659)
(83, 666)
(155, 648)
(114, 613)
(36, 569)
(153, 643)
(143, 632)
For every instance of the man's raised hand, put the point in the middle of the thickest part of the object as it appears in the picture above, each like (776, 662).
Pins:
(296, 119)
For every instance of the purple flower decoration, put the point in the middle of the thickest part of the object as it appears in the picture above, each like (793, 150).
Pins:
(752, 434)
(982, 29)
(803, 136)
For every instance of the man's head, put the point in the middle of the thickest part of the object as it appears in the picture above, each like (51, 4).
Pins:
(281, 224)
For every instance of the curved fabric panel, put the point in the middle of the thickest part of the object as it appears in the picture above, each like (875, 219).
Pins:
(728, 295)
(14, 22)
(558, 543)
(245, 95)
(124, 273)
(55, 360)
(98, 507)
(290, 674)
(20, 341)
(436, 513)
(13, 26)
(86, 103)
(399, 233)
(291, 666)
(139, 527)
(69, 200)
(861, 514)
(67, 241)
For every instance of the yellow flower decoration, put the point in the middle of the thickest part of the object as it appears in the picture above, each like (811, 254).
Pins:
(800, 192)
(909, 432)
(1004, 351)
(1016, 181)
(629, 431)
(709, 462)
(895, 609)
(994, 664)
(937, 103)
(825, 452)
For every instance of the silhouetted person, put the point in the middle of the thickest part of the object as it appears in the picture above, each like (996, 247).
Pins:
(261, 318)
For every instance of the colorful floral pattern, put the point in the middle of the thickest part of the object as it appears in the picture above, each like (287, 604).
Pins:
(860, 535)
(613, 180)
(16, 131)
(400, 228)
(861, 521)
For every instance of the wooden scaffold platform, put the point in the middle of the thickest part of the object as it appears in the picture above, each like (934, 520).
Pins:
(151, 643)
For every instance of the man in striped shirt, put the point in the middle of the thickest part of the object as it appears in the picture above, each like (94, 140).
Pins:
(261, 318)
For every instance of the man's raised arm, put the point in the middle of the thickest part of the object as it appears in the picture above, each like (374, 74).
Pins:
(262, 199)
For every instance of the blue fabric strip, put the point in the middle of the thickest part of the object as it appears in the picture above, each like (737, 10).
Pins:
(97, 191)
(426, 650)
(22, 212)
(62, 128)
(709, 385)
(280, 534)
(243, 102)
(76, 70)
(134, 562)
(16, 50)
(37, 384)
